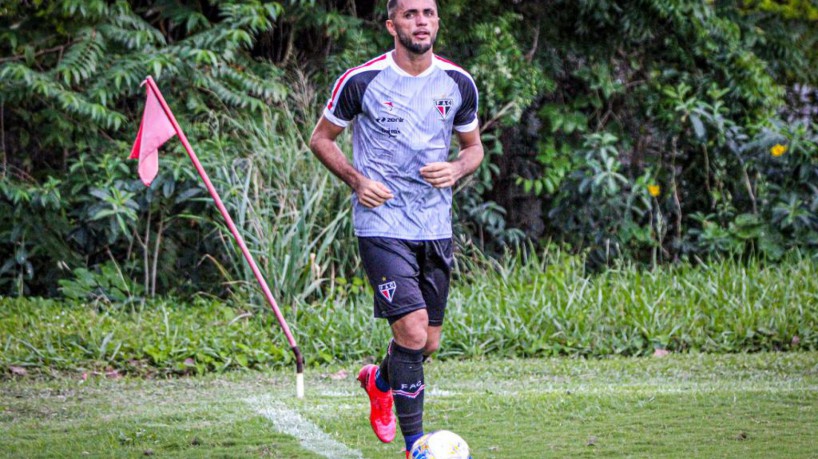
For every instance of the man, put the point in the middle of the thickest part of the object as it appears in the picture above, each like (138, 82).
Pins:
(403, 105)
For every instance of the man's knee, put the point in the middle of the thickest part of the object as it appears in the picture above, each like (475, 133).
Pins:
(411, 330)
(412, 338)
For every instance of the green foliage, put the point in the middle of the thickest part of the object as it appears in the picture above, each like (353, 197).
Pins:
(503, 71)
(76, 68)
(542, 305)
(165, 338)
(108, 285)
(789, 9)
(691, 94)
(32, 237)
(290, 212)
(538, 307)
(585, 107)
(84, 60)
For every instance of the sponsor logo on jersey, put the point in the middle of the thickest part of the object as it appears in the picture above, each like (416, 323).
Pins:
(388, 120)
(444, 106)
(387, 290)
(391, 132)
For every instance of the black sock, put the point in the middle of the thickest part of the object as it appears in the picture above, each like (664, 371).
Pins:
(384, 367)
(406, 380)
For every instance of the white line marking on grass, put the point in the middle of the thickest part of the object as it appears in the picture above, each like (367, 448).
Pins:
(310, 436)
(340, 393)
(442, 393)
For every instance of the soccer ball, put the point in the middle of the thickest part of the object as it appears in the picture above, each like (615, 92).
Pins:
(440, 444)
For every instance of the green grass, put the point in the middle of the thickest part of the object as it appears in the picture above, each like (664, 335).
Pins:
(521, 309)
(683, 405)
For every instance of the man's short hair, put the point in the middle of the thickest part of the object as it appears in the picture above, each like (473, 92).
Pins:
(392, 5)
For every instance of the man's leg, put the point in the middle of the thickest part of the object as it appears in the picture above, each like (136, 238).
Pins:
(405, 369)
(392, 269)
(432, 344)
(419, 334)
(435, 272)
(433, 333)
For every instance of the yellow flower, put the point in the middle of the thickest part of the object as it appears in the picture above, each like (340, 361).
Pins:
(778, 150)
(654, 190)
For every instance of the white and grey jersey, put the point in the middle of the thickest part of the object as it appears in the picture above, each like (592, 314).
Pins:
(401, 123)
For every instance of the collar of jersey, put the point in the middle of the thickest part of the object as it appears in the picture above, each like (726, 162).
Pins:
(402, 72)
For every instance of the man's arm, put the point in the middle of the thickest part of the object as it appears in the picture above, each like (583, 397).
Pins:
(322, 143)
(446, 174)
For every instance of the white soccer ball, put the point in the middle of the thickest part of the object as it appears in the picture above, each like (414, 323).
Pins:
(440, 444)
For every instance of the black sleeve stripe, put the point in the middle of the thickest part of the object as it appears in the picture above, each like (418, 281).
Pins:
(350, 100)
(468, 92)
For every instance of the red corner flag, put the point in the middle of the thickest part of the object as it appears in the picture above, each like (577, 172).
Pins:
(158, 125)
(154, 130)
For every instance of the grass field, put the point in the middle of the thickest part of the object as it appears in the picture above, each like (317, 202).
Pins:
(682, 405)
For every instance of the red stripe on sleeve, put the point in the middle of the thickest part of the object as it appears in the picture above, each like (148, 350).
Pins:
(343, 77)
(447, 61)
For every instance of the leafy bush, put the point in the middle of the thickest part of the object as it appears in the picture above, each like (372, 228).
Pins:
(541, 305)
(625, 131)
(292, 213)
(690, 99)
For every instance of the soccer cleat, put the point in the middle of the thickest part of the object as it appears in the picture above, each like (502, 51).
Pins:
(381, 416)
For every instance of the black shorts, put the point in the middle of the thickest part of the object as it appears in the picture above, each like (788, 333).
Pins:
(408, 275)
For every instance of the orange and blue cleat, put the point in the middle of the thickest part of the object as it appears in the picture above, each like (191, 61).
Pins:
(381, 416)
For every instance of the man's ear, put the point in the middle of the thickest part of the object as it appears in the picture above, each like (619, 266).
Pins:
(390, 27)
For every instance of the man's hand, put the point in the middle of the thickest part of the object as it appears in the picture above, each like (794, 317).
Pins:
(372, 193)
(322, 143)
(446, 174)
(442, 174)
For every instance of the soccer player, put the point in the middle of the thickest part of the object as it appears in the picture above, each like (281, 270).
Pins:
(403, 107)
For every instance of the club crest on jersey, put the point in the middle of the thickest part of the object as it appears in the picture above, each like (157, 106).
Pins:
(388, 290)
(388, 106)
(444, 106)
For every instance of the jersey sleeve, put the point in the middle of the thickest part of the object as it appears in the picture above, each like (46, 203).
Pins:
(465, 120)
(347, 97)
(344, 103)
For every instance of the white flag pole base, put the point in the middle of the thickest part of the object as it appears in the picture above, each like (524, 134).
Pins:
(299, 385)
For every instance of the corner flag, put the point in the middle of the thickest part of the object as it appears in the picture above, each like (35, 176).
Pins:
(154, 130)
(157, 126)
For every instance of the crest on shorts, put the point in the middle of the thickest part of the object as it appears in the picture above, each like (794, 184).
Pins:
(388, 290)
(444, 106)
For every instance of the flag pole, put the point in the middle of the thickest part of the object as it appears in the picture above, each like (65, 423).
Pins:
(299, 359)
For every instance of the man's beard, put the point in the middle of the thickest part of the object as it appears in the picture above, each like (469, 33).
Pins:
(416, 48)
